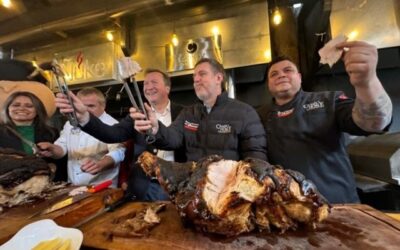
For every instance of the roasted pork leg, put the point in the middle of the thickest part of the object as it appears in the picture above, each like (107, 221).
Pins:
(229, 197)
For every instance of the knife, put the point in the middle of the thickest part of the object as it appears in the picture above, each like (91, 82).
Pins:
(35, 148)
(71, 200)
(107, 208)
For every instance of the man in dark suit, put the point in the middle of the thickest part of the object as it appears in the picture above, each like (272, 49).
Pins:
(156, 87)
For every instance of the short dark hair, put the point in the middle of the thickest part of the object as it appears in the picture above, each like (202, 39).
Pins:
(165, 76)
(216, 67)
(278, 59)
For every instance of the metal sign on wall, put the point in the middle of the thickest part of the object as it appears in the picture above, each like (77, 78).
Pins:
(89, 64)
(185, 55)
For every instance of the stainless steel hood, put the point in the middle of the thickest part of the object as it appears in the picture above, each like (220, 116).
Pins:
(243, 27)
(377, 156)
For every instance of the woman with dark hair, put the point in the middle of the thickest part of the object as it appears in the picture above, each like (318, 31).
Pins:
(24, 113)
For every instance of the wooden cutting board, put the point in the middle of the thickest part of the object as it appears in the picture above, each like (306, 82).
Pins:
(348, 227)
(13, 219)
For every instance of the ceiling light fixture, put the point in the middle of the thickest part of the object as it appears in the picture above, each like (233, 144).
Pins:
(109, 36)
(6, 3)
(175, 40)
(297, 5)
(215, 30)
(276, 16)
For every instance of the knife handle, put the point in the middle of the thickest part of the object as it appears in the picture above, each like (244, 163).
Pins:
(100, 186)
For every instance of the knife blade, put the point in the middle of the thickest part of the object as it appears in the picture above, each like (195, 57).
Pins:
(35, 148)
(74, 199)
(107, 208)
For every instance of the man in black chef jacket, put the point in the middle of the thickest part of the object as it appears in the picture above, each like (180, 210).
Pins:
(305, 129)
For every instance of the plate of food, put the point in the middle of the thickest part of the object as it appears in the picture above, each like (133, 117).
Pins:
(45, 234)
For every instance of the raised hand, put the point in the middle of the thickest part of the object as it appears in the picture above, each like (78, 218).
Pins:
(141, 122)
(62, 102)
(360, 60)
(373, 108)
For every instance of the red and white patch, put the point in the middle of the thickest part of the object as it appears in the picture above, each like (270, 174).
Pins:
(343, 97)
(191, 126)
(285, 113)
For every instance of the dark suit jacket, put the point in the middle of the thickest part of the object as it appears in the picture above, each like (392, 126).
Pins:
(138, 184)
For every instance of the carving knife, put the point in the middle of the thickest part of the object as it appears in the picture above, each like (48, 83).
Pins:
(35, 148)
(107, 208)
(73, 199)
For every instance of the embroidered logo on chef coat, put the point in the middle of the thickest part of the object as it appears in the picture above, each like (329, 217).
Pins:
(314, 105)
(285, 113)
(223, 128)
(191, 126)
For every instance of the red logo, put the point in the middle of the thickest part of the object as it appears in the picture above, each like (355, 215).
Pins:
(191, 126)
(343, 97)
(79, 59)
(285, 113)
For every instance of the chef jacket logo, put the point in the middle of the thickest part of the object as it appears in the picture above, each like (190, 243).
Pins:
(314, 105)
(285, 113)
(191, 126)
(223, 128)
(343, 97)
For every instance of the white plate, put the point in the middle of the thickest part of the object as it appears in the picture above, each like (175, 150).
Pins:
(30, 235)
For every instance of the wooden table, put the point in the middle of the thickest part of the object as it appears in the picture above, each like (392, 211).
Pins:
(394, 215)
(348, 227)
(13, 219)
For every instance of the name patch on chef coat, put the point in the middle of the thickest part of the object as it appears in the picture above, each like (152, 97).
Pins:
(314, 105)
(223, 128)
(285, 113)
(191, 126)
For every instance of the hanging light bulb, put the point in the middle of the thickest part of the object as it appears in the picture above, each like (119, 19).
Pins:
(6, 3)
(215, 30)
(109, 36)
(175, 40)
(276, 16)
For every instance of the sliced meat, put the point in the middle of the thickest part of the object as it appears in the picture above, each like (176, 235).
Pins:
(22, 177)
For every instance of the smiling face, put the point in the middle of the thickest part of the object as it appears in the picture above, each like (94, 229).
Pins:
(207, 83)
(155, 89)
(284, 81)
(22, 111)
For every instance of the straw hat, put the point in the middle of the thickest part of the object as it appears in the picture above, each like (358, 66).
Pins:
(38, 89)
